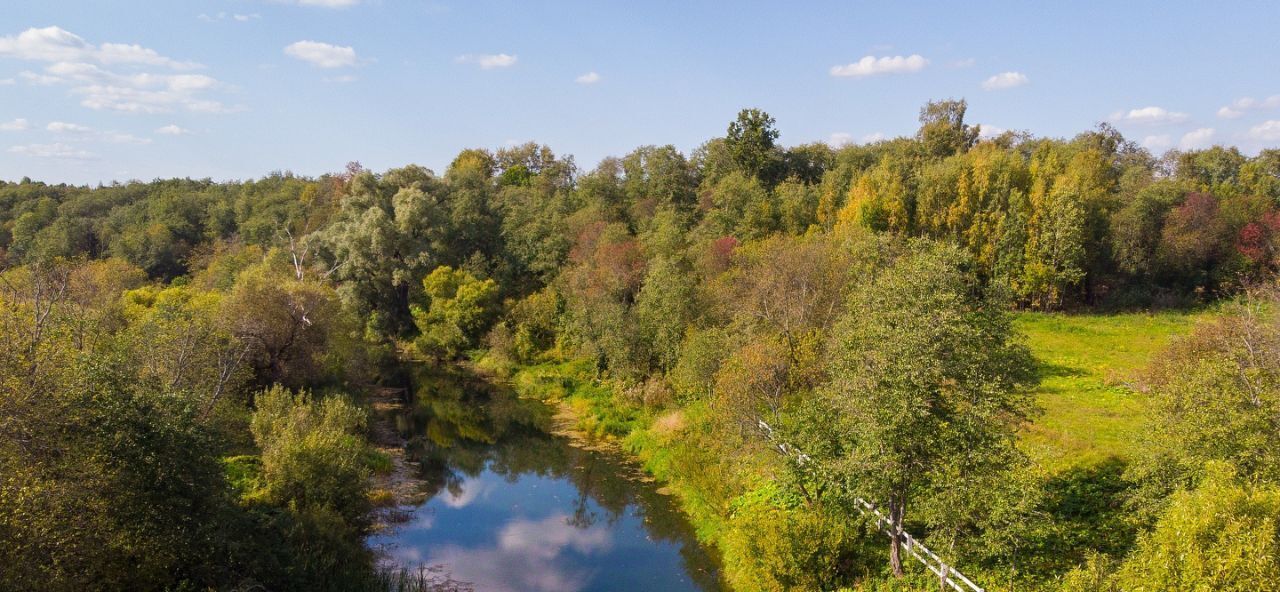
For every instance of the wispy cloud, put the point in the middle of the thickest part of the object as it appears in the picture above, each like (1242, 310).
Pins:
(488, 61)
(1158, 143)
(840, 139)
(1005, 80)
(1196, 139)
(172, 130)
(988, 131)
(323, 55)
(229, 16)
(324, 3)
(588, 78)
(62, 127)
(56, 151)
(16, 125)
(111, 76)
(1238, 107)
(55, 44)
(871, 66)
(84, 133)
(1267, 131)
(1149, 116)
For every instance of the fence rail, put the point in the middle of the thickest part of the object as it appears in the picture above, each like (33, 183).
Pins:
(947, 574)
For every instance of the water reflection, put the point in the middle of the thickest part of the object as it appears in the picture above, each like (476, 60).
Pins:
(514, 508)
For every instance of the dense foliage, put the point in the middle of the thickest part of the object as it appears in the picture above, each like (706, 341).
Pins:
(180, 395)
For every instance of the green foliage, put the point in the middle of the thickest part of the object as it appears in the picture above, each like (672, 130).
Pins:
(1223, 535)
(772, 548)
(313, 455)
(459, 311)
(750, 143)
(926, 388)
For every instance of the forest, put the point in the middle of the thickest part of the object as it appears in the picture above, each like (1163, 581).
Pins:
(777, 333)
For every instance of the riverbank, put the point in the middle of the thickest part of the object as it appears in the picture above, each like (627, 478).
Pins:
(494, 468)
(396, 486)
(733, 501)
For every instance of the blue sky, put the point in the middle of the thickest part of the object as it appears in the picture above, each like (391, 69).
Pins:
(96, 91)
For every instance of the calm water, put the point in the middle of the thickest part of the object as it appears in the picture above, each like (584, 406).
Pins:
(513, 508)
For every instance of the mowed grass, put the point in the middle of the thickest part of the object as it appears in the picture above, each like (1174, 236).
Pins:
(1088, 366)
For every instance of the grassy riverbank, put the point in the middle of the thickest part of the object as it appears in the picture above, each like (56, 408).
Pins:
(1090, 371)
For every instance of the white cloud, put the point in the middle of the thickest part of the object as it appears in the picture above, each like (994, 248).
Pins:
(62, 127)
(1267, 131)
(119, 138)
(871, 66)
(323, 55)
(588, 78)
(839, 139)
(6, 81)
(987, 132)
(56, 151)
(327, 3)
(222, 16)
(1005, 80)
(1195, 139)
(85, 133)
(488, 61)
(38, 79)
(1239, 106)
(111, 76)
(172, 130)
(965, 63)
(16, 125)
(1158, 143)
(343, 79)
(55, 44)
(1149, 116)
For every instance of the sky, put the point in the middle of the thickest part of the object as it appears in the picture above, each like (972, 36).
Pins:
(94, 91)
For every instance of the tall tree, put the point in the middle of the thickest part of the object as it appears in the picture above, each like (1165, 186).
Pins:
(750, 141)
(925, 391)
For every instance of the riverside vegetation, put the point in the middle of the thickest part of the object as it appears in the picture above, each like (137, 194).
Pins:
(187, 366)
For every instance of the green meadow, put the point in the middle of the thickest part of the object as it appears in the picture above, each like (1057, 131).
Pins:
(1091, 369)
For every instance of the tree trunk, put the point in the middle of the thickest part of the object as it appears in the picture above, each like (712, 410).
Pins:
(896, 507)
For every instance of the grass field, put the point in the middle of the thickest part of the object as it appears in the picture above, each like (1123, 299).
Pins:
(1087, 364)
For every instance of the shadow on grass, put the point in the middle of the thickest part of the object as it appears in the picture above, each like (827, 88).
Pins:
(1084, 510)
(1051, 370)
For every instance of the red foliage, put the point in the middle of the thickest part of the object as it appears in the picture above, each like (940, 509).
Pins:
(720, 253)
(1257, 240)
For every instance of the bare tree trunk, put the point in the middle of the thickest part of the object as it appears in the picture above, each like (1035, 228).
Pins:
(896, 510)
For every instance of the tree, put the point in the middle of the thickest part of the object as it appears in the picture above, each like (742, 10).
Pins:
(459, 311)
(313, 455)
(1222, 535)
(1214, 396)
(750, 141)
(387, 233)
(943, 131)
(926, 380)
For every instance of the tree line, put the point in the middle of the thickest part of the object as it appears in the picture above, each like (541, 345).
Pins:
(215, 338)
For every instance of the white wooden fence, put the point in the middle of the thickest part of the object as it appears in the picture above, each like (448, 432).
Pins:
(947, 574)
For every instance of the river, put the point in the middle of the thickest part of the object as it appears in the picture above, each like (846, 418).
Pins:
(509, 506)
